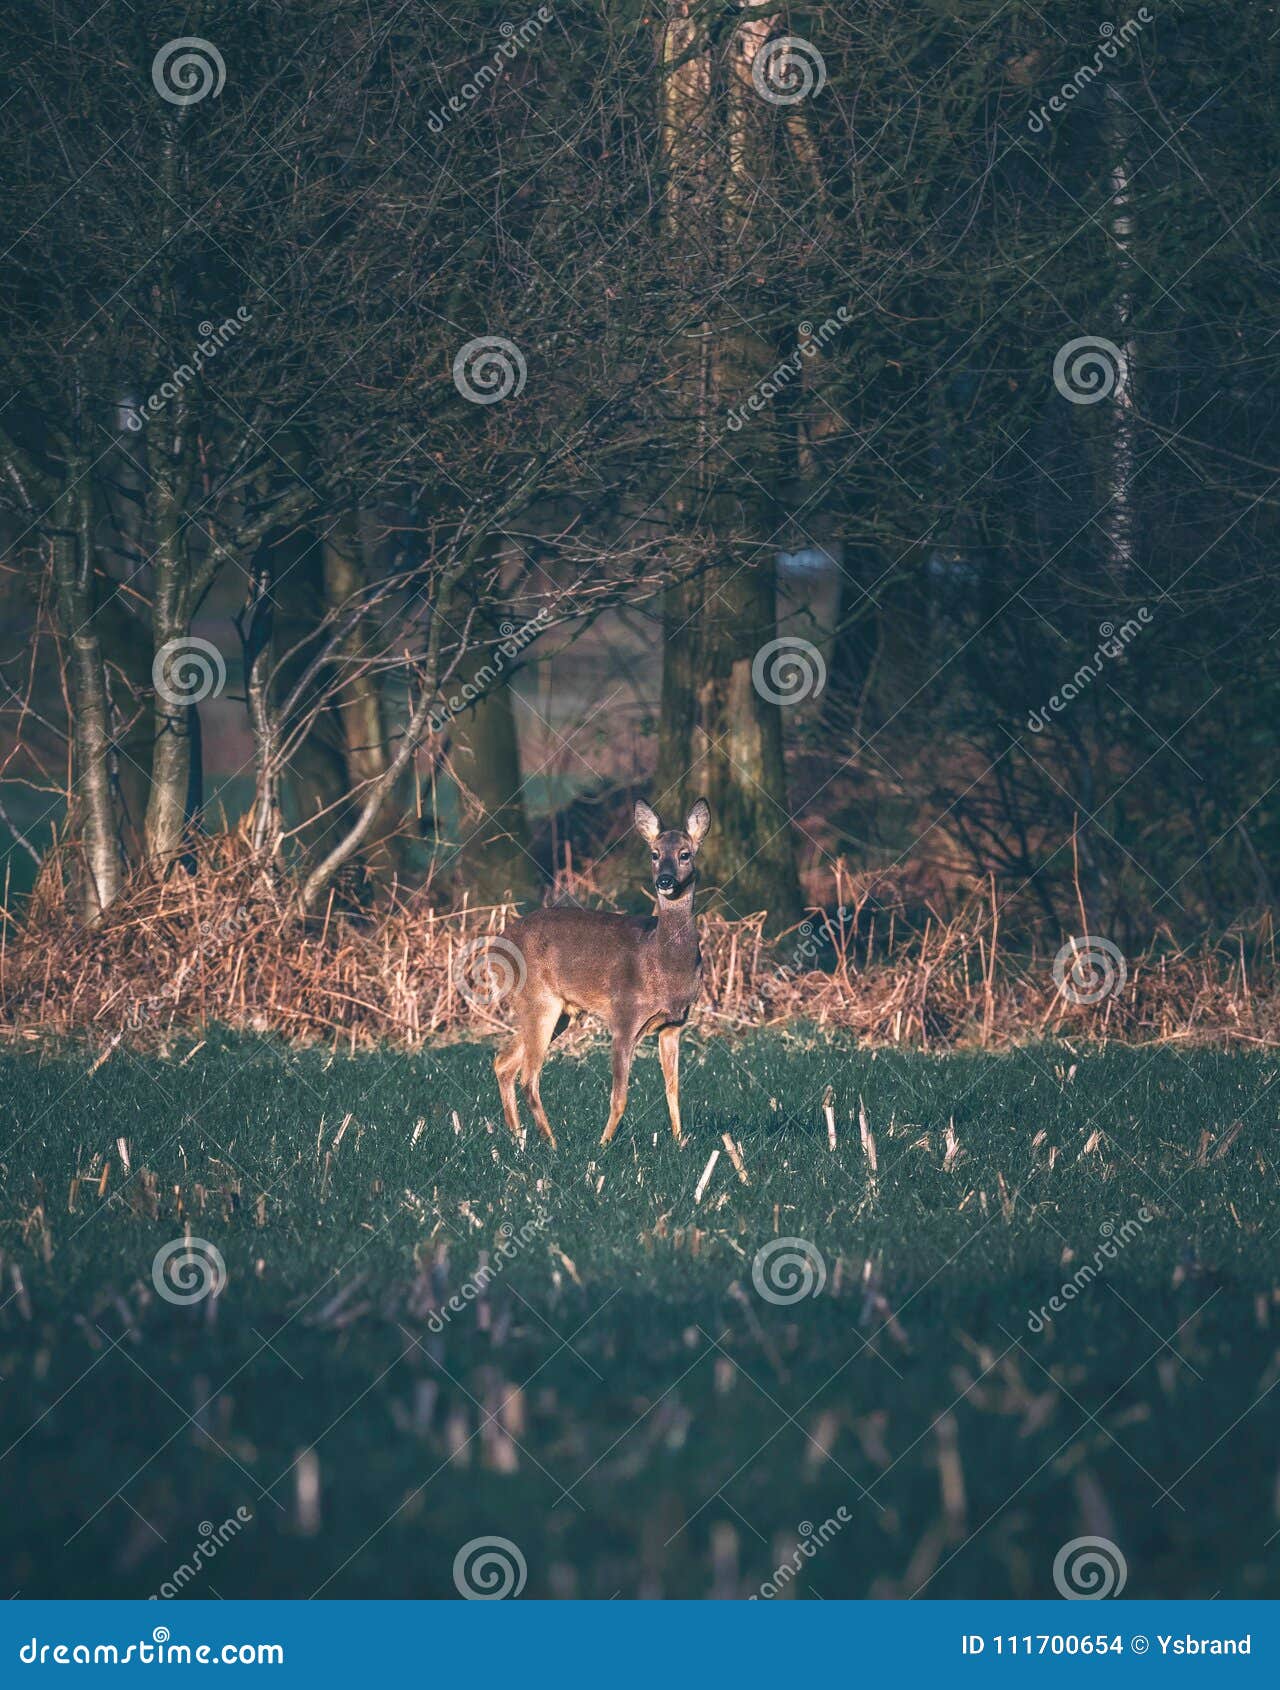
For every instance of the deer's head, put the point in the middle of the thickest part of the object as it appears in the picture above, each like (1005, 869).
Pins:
(672, 853)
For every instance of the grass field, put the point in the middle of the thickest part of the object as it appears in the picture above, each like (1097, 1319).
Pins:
(620, 1400)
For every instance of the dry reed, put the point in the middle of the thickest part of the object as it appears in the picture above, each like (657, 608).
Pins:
(222, 946)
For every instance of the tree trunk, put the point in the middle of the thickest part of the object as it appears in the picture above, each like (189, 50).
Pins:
(376, 795)
(748, 854)
(175, 662)
(180, 672)
(496, 860)
(359, 709)
(126, 654)
(257, 629)
(314, 780)
(685, 116)
(674, 786)
(93, 815)
(496, 856)
(1118, 518)
(371, 804)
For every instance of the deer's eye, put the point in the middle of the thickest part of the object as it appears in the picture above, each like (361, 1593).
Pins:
(684, 856)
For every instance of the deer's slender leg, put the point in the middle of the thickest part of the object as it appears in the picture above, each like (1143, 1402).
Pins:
(506, 1065)
(539, 1032)
(624, 1048)
(669, 1055)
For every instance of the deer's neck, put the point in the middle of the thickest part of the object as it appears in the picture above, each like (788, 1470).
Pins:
(677, 933)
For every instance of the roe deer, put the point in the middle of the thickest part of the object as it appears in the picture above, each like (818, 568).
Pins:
(638, 974)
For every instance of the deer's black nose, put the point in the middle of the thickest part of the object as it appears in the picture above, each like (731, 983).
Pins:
(666, 883)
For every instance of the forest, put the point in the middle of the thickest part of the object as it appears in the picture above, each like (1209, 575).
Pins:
(417, 442)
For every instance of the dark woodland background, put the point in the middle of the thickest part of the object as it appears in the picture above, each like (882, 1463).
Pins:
(425, 430)
(598, 556)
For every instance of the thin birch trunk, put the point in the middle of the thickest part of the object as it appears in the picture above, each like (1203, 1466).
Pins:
(93, 808)
(1118, 520)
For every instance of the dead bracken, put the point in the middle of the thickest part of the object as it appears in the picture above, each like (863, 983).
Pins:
(224, 945)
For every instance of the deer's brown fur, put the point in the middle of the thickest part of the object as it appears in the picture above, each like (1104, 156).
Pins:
(637, 974)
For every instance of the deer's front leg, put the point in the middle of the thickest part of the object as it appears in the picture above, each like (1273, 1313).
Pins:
(624, 1048)
(669, 1056)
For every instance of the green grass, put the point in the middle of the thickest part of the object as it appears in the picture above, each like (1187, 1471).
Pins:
(672, 1429)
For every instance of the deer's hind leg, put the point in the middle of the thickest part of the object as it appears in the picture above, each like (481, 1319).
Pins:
(506, 1065)
(540, 1028)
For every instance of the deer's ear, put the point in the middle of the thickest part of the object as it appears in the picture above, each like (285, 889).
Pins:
(698, 823)
(647, 823)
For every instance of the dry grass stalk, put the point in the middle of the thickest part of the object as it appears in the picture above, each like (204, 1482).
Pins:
(706, 1176)
(222, 946)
